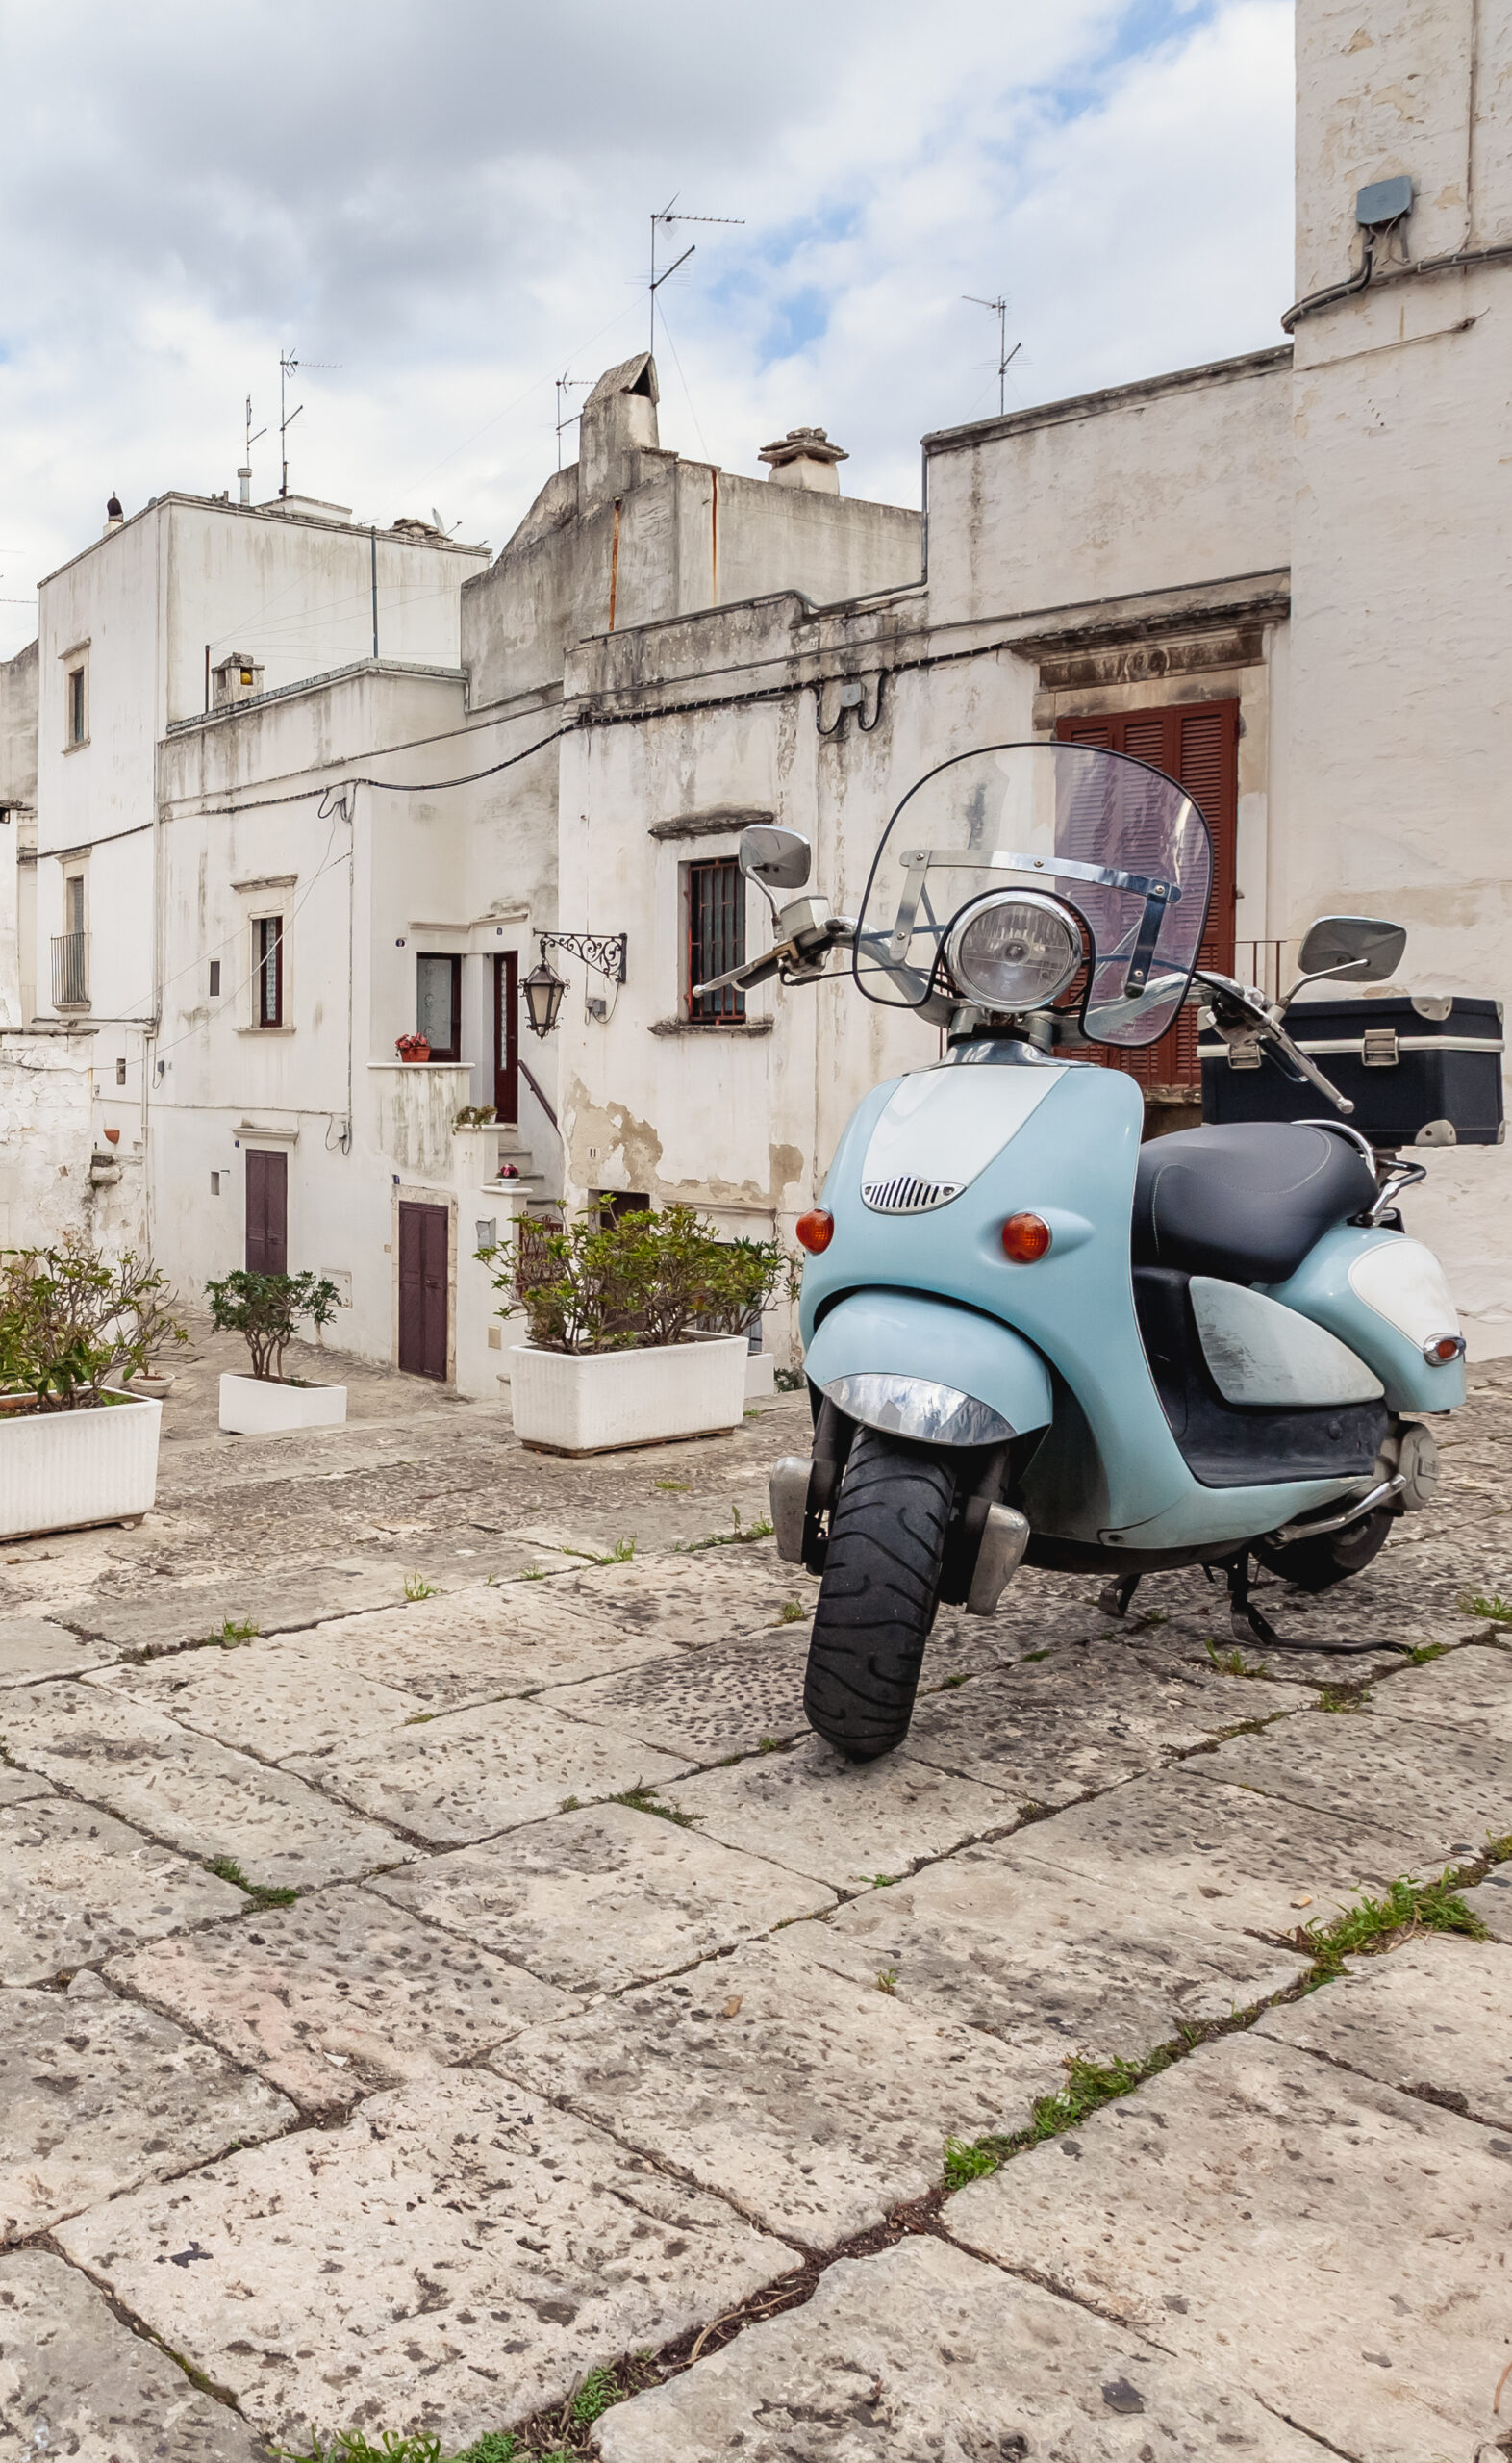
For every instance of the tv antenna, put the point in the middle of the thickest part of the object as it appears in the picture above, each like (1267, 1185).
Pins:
(730, 222)
(1005, 356)
(288, 362)
(566, 385)
(244, 475)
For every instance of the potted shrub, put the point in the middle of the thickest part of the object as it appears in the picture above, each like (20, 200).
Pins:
(412, 1048)
(264, 1309)
(72, 1326)
(625, 1347)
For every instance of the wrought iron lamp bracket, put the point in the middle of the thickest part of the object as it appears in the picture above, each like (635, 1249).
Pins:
(605, 951)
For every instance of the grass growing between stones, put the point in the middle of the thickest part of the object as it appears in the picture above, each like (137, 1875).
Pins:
(1377, 1924)
(261, 1894)
(416, 1588)
(1089, 2086)
(740, 1537)
(232, 1635)
(646, 1800)
(557, 2435)
(1496, 1609)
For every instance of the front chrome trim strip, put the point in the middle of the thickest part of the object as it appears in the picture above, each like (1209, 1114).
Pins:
(915, 1407)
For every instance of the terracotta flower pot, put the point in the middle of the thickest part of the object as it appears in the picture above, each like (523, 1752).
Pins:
(113, 1137)
(412, 1048)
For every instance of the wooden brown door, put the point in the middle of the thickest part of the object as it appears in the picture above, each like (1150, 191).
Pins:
(506, 1036)
(267, 1210)
(1196, 743)
(423, 1291)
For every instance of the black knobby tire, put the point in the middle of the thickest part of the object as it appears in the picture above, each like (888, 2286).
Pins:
(878, 1597)
(1317, 1564)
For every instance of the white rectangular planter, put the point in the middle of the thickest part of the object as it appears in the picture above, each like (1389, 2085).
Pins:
(63, 1470)
(760, 1377)
(590, 1403)
(265, 1407)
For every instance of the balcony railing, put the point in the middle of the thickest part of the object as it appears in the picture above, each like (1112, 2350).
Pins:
(71, 970)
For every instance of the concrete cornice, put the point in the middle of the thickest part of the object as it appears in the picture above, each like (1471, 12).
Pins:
(1113, 397)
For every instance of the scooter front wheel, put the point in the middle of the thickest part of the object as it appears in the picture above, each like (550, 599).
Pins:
(878, 1597)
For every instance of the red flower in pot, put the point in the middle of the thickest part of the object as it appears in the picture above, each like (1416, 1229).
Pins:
(413, 1047)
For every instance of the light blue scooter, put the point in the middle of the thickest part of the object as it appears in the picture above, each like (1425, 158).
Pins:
(1030, 1338)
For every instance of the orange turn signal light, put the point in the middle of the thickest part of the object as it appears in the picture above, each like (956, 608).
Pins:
(1025, 1236)
(815, 1229)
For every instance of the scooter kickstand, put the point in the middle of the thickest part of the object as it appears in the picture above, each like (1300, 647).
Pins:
(1114, 1597)
(1247, 1624)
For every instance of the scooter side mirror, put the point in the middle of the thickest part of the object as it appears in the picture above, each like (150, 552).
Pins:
(776, 858)
(1357, 948)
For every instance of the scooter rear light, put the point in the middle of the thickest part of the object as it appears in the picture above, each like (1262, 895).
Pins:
(1440, 1348)
(1025, 1237)
(816, 1231)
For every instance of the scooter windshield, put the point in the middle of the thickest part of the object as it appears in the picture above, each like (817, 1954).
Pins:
(1119, 842)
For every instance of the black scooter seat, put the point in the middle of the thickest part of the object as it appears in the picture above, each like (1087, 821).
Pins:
(1245, 1202)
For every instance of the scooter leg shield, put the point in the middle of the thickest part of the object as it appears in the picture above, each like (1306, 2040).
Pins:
(928, 1370)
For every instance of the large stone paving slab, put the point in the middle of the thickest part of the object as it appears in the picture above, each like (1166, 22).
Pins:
(1473, 1686)
(727, 1698)
(1052, 1963)
(271, 1699)
(926, 2355)
(843, 1822)
(31, 1647)
(19, 1787)
(480, 1644)
(814, 2103)
(1340, 2246)
(75, 1885)
(340, 1995)
(1225, 1853)
(1073, 1723)
(96, 2095)
(1434, 2018)
(453, 2258)
(604, 1898)
(1442, 1786)
(75, 2381)
(707, 1595)
(466, 1774)
(179, 1614)
(189, 1789)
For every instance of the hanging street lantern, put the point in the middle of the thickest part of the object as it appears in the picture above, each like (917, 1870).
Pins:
(543, 988)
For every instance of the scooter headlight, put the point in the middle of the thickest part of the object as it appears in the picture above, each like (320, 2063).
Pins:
(1015, 949)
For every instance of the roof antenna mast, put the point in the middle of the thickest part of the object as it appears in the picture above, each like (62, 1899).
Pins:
(565, 415)
(287, 365)
(244, 475)
(731, 221)
(1005, 356)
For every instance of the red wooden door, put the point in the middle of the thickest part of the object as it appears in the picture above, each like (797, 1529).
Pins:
(506, 1036)
(267, 1210)
(1196, 743)
(423, 1291)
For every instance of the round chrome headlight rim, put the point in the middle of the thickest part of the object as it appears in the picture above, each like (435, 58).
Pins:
(1036, 903)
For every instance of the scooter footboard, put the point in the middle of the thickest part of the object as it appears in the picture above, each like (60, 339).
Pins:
(929, 1370)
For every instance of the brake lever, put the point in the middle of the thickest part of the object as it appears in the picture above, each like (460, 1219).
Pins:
(800, 959)
(1254, 1017)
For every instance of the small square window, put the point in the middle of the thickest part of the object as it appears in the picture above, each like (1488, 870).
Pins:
(120, 1073)
(268, 946)
(214, 978)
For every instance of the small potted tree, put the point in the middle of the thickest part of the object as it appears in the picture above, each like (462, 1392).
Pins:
(620, 1350)
(264, 1309)
(74, 1448)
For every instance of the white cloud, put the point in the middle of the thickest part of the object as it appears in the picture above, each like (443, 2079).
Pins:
(452, 203)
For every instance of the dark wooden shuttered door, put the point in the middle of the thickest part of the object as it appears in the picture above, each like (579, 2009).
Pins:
(268, 1212)
(506, 1036)
(423, 1291)
(1198, 744)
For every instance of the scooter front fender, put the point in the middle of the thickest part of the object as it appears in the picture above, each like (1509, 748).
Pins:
(923, 1368)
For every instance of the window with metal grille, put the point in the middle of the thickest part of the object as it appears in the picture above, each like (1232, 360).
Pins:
(716, 900)
(268, 947)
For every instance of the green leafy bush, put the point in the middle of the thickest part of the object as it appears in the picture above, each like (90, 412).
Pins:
(264, 1307)
(70, 1320)
(645, 1281)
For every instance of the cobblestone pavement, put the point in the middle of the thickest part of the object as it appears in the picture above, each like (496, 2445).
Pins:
(440, 1967)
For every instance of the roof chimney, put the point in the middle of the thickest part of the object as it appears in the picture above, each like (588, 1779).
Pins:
(619, 421)
(244, 475)
(114, 516)
(804, 458)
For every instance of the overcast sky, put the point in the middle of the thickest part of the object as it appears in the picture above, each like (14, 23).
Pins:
(442, 207)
